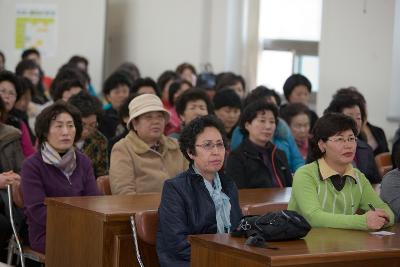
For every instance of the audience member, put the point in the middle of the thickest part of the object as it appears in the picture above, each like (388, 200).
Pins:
(297, 116)
(56, 170)
(201, 200)
(34, 54)
(92, 142)
(191, 104)
(177, 88)
(329, 191)
(390, 192)
(371, 134)
(67, 88)
(231, 80)
(10, 92)
(297, 89)
(283, 137)
(164, 81)
(257, 163)
(145, 158)
(364, 158)
(145, 86)
(82, 63)
(187, 72)
(227, 105)
(31, 70)
(131, 70)
(116, 89)
(11, 158)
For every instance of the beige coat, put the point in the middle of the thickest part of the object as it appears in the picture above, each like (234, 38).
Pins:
(135, 168)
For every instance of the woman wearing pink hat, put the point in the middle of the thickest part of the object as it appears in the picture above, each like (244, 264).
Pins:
(145, 158)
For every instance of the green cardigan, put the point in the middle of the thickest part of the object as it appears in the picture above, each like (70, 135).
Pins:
(323, 206)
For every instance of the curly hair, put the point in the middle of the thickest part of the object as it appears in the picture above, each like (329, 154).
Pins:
(250, 113)
(191, 131)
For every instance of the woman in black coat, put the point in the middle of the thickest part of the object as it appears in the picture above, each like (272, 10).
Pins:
(201, 200)
(257, 162)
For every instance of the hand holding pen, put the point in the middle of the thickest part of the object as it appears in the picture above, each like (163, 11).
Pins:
(376, 218)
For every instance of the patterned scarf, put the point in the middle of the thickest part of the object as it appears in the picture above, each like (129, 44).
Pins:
(66, 163)
(221, 203)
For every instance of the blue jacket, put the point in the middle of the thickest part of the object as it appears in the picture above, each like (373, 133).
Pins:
(283, 139)
(186, 208)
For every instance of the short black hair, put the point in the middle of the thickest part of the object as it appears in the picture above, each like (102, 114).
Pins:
(30, 51)
(189, 134)
(6, 75)
(75, 60)
(165, 77)
(340, 102)
(228, 79)
(87, 104)
(123, 111)
(327, 126)
(192, 94)
(352, 92)
(63, 86)
(26, 64)
(140, 82)
(131, 70)
(261, 93)
(174, 87)
(293, 81)
(67, 72)
(226, 97)
(250, 113)
(44, 119)
(116, 79)
(181, 67)
(26, 85)
(293, 109)
(3, 56)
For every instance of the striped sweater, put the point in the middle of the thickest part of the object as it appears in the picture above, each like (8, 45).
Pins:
(323, 206)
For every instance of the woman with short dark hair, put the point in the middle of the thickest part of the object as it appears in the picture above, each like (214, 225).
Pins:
(57, 169)
(257, 162)
(201, 200)
(329, 191)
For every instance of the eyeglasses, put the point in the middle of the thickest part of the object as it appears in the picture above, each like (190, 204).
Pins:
(342, 140)
(209, 146)
(5, 92)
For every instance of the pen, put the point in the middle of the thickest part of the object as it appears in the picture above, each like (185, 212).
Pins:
(371, 206)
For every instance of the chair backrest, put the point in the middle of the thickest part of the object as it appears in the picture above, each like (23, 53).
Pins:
(144, 230)
(262, 208)
(103, 183)
(384, 162)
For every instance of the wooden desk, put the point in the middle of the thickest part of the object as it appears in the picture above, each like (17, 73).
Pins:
(95, 231)
(321, 247)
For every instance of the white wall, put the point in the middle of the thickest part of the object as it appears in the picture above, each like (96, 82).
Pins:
(356, 49)
(81, 30)
(158, 35)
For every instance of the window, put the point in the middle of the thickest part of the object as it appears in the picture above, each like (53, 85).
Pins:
(290, 31)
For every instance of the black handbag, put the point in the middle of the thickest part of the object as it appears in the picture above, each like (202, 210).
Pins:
(272, 226)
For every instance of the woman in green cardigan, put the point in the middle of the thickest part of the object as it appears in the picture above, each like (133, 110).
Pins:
(328, 192)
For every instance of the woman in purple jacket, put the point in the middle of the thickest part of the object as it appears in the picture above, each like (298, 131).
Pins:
(56, 170)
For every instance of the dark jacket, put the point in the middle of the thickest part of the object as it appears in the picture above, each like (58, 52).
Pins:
(108, 123)
(365, 162)
(247, 168)
(186, 208)
(11, 156)
(380, 138)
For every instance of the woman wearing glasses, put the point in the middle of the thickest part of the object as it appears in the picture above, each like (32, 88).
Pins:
(257, 163)
(329, 192)
(201, 200)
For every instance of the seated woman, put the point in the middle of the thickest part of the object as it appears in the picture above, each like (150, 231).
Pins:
(329, 191)
(257, 162)
(92, 142)
(390, 186)
(364, 158)
(56, 170)
(11, 158)
(297, 116)
(201, 200)
(145, 158)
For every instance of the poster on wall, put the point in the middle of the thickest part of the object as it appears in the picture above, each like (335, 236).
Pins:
(36, 26)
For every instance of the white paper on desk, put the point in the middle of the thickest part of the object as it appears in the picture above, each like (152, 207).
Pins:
(382, 233)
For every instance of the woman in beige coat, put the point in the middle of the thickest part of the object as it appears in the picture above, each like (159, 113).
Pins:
(145, 158)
